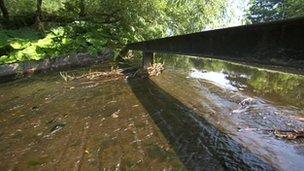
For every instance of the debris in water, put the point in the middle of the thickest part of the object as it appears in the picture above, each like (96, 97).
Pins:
(93, 75)
(92, 85)
(247, 101)
(289, 134)
(244, 106)
(247, 129)
(36, 124)
(115, 114)
(149, 135)
(153, 70)
(113, 101)
(156, 69)
(117, 130)
(286, 134)
(16, 107)
(238, 111)
(57, 128)
(34, 108)
(66, 77)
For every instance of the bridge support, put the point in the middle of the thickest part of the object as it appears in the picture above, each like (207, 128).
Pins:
(122, 54)
(147, 59)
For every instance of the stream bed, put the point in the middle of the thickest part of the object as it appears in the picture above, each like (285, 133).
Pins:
(199, 114)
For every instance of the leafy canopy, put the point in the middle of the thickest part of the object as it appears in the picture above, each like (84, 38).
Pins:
(91, 25)
(271, 10)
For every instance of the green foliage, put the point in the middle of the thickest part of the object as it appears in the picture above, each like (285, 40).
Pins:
(265, 10)
(271, 10)
(129, 20)
(294, 8)
(188, 16)
(73, 26)
(58, 41)
(25, 34)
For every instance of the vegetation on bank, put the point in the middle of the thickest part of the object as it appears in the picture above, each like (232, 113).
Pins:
(29, 44)
(38, 29)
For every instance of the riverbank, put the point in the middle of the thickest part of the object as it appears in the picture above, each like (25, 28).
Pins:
(77, 60)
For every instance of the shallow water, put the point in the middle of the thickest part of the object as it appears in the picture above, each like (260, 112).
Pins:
(190, 117)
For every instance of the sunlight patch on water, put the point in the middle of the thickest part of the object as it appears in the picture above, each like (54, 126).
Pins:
(218, 78)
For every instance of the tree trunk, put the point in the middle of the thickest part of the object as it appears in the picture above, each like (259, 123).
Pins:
(4, 10)
(39, 15)
(81, 8)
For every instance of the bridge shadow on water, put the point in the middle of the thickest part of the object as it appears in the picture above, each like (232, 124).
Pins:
(198, 144)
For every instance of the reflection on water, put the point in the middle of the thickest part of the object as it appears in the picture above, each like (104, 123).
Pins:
(287, 89)
(248, 103)
(218, 78)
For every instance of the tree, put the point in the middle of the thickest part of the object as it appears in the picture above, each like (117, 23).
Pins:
(271, 10)
(126, 20)
(81, 8)
(91, 25)
(265, 10)
(294, 8)
(4, 10)
(39, 15)
(187, 16)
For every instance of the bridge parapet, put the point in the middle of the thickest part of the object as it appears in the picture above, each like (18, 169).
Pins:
(279, 43)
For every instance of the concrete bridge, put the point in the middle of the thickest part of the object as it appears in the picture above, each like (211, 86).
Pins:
(279, 43)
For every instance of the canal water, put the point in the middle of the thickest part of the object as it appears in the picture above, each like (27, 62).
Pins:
(199, 114)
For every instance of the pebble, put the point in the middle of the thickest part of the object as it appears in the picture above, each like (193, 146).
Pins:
(115, 114)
